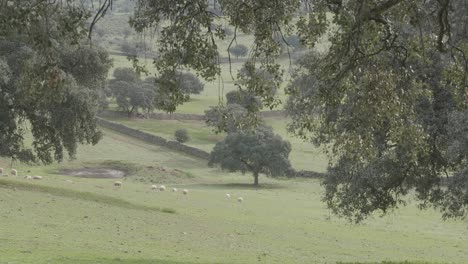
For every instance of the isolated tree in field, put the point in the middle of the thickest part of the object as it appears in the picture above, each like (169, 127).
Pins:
(259, 151)
(239, 50)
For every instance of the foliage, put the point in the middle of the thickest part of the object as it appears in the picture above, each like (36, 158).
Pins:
(131, 93)
(56, 92)
(244, 99)
(190, 84)
(384, 106)
(259, 151)
(181, 135)
(195, 47)
(239, 50)
(231, 118)
(241, 113)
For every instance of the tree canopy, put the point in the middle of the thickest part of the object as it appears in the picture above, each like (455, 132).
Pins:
(259, 151)
(131, 93)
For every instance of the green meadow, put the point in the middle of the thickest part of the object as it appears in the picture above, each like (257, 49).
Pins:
(66, 219)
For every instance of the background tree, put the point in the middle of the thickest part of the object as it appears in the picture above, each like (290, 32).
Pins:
(259, 151)
(190, 84)
(239, 50)
(131, 93)
(241, 113)
(245, 99)
(231, 118)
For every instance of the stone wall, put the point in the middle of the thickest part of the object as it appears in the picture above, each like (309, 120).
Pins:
(178, 116)
(152, 139)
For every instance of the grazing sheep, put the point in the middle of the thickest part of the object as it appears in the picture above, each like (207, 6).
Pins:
(240, 199)
(27, 177)
(118, 184)
(228, 196)
(37, 177)
(1, 171)
(69, 181)
(174, 189)
(162, 188)
(185, 191)
(14, 172)
(154, 187)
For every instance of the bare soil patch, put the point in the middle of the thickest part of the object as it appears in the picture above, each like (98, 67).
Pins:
(105, 173)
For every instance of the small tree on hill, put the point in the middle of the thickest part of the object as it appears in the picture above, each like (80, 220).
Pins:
(257, 152)
(239, 50)
(181, 135)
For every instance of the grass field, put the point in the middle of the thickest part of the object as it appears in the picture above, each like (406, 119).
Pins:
(90, 221)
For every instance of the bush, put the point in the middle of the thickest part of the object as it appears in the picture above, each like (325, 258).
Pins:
(181, 135)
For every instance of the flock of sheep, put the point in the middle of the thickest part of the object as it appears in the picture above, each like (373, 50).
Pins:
(154, 187)
(162, 188)
(14, 172)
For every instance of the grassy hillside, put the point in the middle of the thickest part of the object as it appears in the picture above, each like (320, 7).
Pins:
(304, 156)
(91, 221)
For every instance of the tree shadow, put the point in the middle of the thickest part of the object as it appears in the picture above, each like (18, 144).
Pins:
(121, 260)
(245, 186)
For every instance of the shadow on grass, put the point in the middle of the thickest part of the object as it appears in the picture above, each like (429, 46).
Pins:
(245, 186)
(118, 261)
(87, 196)
(389, 262)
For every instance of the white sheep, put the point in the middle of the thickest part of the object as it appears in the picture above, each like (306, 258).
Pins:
(14, 172)
(162, 188)
(240, 199)
(37, 177)
(118, 184)
(174, 189)
(185, 191)
(228, 196)
(1, 171)
(154, 187)
(27, 177)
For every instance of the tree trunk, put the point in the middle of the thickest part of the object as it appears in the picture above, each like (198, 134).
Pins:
(256, 178)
